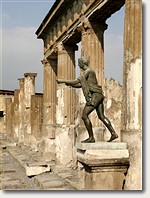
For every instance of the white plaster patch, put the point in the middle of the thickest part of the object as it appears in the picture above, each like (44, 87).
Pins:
(134, 84)
(109, 103)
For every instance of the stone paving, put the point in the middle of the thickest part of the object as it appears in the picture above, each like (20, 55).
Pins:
(13, 171)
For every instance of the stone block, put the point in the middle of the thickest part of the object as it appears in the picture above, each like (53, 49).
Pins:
(105, 164)
(36, 168)
(102, 145)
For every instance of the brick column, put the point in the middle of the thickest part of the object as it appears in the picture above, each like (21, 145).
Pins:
(21, 111)
(65, 112)
(92, 43)
(29, 89)
(132, 95)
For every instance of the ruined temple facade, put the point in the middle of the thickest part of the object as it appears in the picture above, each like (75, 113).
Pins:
(66, 24)
(51, 122)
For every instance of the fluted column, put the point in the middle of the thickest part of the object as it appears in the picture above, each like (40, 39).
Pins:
(65, 113)
(29, 89)
(21, 111)
(66, 95)
(49, 98)
(132, 94)
(92, 48)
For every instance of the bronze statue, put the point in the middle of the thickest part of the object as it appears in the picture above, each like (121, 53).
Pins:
(94, 98)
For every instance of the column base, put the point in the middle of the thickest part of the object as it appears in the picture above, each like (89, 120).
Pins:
(65, 146)
(105, 164)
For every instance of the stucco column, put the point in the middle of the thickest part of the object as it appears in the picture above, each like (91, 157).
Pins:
(132, 94)
(49, 98)
(65, 113)
(21, 111)
(92, 48)
(29, 89)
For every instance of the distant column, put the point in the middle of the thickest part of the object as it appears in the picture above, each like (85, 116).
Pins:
(29, 89)
(16, 114)
(9, 123)
(132, 94)
(21, 111)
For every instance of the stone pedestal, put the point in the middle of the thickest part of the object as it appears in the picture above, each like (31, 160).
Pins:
(105, 164)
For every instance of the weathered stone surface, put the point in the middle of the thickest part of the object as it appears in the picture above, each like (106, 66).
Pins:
(132, 94)
(113, 106)
(104, 169)
(65, 147)
(36, 168)
(102, 146)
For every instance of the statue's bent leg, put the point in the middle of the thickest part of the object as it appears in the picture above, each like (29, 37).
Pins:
(106, 121)
(86, 111)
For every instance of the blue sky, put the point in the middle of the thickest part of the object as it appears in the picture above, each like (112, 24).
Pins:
(22, 52)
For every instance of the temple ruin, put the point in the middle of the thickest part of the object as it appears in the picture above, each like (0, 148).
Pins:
(51, 122)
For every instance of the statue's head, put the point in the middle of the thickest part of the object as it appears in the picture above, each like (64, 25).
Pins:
(83, 62)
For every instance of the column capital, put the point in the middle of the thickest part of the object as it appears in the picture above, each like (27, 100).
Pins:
(21, 80)
(44, 61)
(95, 26)
(30, 74)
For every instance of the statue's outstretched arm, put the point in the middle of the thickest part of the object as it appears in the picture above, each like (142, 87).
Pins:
(68, 82)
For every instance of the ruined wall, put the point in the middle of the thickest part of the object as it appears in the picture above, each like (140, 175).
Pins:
(3, 97)
(113, 106)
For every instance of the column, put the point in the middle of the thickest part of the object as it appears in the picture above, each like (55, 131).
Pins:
(36, 115)
(49, 108)
(92, 43)
(66, 95)
(65, 110)
(132, 94)
(49, 98)
(16, 114)
(21, 111)
(29, 89)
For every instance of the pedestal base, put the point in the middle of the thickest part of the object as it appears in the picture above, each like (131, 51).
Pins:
(105, 164)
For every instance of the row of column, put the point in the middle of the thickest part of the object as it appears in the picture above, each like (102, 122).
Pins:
(59, 106)
(24, 113)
